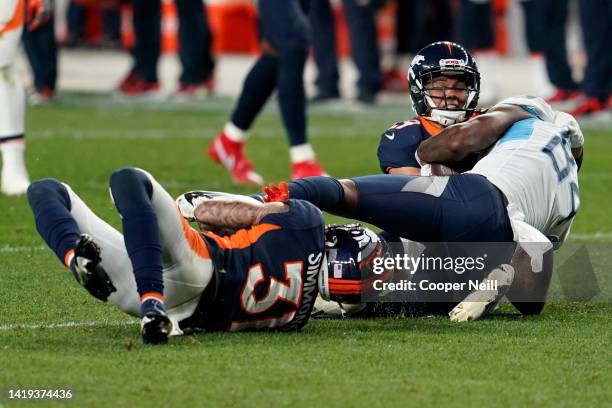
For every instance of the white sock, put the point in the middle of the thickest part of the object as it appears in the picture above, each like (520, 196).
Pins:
(14, 177)
(234, 133)
(13, 154)
(301, 153)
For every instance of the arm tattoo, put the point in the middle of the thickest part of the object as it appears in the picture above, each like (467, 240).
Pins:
(235, 214)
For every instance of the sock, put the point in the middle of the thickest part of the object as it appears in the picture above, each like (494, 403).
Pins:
(326, 193)
(131, 190)
(51, 205)
(13, 151)
(234, 133)
(257, 88)
(152, 303)
(301, 153)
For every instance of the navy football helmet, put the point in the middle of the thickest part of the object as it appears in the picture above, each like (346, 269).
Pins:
(449, 59)
(350, 252)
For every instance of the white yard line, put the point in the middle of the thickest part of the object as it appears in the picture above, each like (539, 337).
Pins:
(89, 323)
(30, 248)
(23, 248)
(591, 235)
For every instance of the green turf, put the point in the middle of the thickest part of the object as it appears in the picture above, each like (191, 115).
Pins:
(561, 358)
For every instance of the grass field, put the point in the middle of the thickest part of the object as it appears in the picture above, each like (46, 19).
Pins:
(54, 335)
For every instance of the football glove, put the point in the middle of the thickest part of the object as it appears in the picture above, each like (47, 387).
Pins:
(573, 129)
(275, 194)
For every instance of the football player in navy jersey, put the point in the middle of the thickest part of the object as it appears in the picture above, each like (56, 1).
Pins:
(444, 87)
(251, 266)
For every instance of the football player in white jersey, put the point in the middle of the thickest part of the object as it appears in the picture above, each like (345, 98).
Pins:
(525, 190)
(535, 165)
(535, 162)
(13, 13)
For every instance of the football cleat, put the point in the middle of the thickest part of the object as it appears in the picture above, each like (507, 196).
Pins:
(308, 168)
(233, 157)
(86, 268)
(155, 325)
(134, 85)
(563, 95)
(588, 107)
(40, 96)
(482, 301)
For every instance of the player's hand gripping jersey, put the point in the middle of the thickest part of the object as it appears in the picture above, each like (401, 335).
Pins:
(532, 165)
(266, 276)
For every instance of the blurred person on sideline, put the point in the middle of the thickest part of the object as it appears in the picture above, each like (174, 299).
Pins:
(285, 42)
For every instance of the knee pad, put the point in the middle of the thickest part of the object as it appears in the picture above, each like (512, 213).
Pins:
(130, 189)
(48, 189)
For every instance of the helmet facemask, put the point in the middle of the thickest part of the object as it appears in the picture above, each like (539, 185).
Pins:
(438, 99)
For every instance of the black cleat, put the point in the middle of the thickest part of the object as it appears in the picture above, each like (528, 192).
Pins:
(87, 270)
(155, 324)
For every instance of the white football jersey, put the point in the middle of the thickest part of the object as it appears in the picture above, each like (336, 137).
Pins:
(533, 165)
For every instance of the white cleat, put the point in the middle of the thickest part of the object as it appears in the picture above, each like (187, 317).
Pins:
(480, 301)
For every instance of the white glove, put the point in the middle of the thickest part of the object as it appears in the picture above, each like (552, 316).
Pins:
(573, 129)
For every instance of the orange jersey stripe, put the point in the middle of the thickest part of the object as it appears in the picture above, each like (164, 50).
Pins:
(195, 241)
(242, 238)
(16, 22)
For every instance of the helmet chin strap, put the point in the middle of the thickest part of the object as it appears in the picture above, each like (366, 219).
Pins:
(446, 117)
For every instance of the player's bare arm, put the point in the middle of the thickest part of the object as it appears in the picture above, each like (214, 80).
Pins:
(234, 215)
(457, 141)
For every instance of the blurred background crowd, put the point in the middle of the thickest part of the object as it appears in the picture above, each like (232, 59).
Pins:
(560, 47)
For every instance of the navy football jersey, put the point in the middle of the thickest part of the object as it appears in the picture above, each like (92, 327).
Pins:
(266, 276)
(399, 143)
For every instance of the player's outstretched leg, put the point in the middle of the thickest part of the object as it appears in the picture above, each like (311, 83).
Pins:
(51, 205)
(132, 191)
(228, 148)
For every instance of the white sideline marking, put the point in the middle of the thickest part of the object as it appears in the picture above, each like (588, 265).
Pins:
(67, 324)
(592, 235)
(25, 248)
